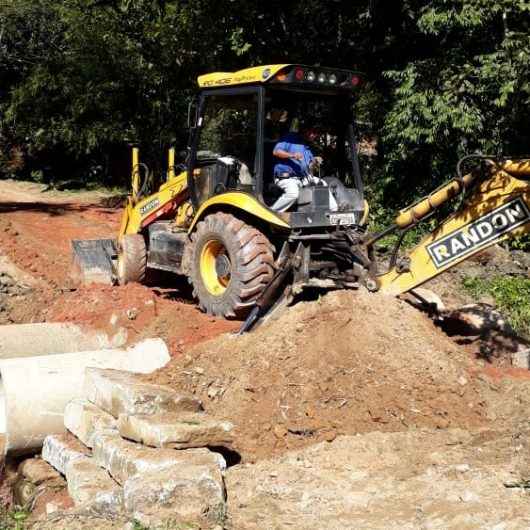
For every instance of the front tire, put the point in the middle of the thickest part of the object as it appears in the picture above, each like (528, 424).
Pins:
(132, 259)
(231, 264)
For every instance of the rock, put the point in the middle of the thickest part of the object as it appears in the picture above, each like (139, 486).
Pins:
(38, 471)
(124, 459)
(184, 495)
(89, 484)
(329, 435)
(24, 492)
(425, 299)
(521, 359)
(279, 431)
(59, 449)
(476, 319)
(178, 431)
(84, 419)
(118, 392)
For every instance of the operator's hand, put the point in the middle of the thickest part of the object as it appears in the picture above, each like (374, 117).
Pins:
(297, 156)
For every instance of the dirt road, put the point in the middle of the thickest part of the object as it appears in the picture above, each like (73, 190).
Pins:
(36, 229)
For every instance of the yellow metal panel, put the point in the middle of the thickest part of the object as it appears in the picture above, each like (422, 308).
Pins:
(125, 216)
(241, 201)
(135, 170)
(171, 164)
(155, 202)
(489, 195)
(254, 74)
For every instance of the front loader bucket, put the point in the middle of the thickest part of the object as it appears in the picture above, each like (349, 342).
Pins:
(93, 260)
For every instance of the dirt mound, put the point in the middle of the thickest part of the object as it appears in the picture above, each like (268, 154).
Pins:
(449, 479)
(350, 362)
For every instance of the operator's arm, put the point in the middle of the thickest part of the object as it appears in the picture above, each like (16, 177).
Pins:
(281, 150)
(281, 153)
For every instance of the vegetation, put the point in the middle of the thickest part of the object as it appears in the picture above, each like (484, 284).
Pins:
(81, 78)
(14, 519)
(511, 295)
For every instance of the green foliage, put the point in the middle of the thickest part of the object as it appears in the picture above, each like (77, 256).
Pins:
(511, 295)
(80, 79)
(13, 520)
(520, 243)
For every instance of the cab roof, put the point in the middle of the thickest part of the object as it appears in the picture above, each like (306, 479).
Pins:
(283, 73)
(253, 74)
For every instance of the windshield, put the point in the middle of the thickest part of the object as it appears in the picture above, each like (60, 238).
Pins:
(322, 121)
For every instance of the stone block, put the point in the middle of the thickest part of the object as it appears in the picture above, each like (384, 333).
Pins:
(59, 449)
(124, 459)
(118, 392)
(89, 484)
(177, 431)
(181, 496)
(84, 419)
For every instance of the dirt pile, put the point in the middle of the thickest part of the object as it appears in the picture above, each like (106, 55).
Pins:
(444, 479)
(350, 362)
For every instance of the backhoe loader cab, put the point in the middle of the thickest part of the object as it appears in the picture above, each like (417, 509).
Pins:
(239, 121)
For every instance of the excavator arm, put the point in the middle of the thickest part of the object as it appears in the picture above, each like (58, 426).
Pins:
(498, 207)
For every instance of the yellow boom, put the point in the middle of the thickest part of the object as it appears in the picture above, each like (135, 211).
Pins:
(498, 208)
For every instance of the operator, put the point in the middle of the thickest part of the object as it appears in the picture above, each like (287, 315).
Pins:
(294, 162)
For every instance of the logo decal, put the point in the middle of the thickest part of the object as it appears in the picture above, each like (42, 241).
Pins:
(151, 205)
(478, 233)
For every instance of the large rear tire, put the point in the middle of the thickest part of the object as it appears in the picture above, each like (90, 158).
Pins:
(231, 264)
(132, 259)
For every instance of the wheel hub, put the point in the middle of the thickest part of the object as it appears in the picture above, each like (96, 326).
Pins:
(222, 265)
(215, 267)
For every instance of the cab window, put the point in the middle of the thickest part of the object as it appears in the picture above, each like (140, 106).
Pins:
(229, 129)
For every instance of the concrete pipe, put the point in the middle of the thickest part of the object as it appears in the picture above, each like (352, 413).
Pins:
(35, 390)
(29, 340)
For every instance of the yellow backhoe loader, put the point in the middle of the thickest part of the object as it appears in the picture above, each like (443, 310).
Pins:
(212, 221)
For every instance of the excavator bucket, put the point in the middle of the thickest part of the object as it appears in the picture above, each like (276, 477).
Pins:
(93, 261)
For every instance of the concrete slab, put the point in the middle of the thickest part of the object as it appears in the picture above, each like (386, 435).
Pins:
(118, 392)
(34, 391)
(89, 484)
(83, 419)
(186, 495)
(177, 431)
(124, 459)
(30, 340)
(60, 449)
